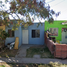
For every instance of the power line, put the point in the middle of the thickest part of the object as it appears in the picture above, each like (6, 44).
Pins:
(58, 3)
(50, 1)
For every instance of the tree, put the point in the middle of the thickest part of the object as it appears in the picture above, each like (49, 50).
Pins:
(3, 36)
(25, 8)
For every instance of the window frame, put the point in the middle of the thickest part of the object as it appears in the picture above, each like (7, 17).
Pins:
(11, 33)
(53, 34)
(35, 35)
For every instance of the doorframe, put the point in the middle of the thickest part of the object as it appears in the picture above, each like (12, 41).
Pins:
(62, 30)
(22, 35)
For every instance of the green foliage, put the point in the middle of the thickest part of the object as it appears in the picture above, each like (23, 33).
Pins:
(3, 34)
(2, 66)
(25, 8)
(50, 20)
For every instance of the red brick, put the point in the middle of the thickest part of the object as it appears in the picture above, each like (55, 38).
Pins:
(63, 47)
(63, 54)
(66, 53)
(57, 54)
(66, 47)
(57, 50)
(57, 44)
(57, 47)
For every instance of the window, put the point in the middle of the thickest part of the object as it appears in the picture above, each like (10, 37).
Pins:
(35, 33)
(53, 31)
(11, 33)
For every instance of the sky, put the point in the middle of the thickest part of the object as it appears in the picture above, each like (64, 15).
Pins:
(57, 6)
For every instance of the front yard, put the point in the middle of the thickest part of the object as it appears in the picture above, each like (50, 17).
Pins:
(8, 53)
(34, 50)
(42, 51)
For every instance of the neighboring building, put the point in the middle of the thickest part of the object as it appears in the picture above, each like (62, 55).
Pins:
(31, 35)
(58, 30)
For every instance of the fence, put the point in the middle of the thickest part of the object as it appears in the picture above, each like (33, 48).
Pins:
(58, 50)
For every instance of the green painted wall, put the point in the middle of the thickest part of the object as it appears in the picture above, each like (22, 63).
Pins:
(56, 24)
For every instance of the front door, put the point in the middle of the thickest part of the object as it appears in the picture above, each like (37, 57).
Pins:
(64, 35)
(24, 36)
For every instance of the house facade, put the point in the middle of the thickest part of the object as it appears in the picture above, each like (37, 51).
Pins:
(31, 35)
(58, 30)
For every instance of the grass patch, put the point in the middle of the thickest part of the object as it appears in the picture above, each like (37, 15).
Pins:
(2, 66)
(51, 64)
(9, 53)
(44, 52)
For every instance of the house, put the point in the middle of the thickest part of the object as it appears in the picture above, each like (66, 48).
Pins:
(31, 35)
(58, 30)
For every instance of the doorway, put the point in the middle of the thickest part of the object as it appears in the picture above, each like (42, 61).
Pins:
(64, 35)
(24, 36)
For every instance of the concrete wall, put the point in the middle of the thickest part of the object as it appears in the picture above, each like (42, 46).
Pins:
(37, 41)
(17, 33)
(56, 24)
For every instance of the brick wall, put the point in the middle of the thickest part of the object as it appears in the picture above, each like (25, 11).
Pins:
(59, 50)
(49, 44)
